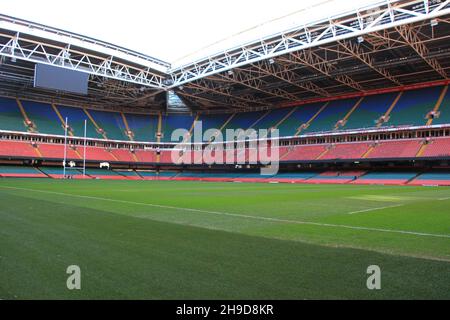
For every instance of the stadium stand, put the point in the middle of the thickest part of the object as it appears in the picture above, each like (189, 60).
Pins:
(301, 115)
(143, 127)
(129, 174)
(104, 174)
(391, 178)
(413, 107)
(44, 117)
(443, 111)
(438, 147)
(172, 122)
(245, 120)
(306, 152)
(20, 172)
(58, 173)
(76, 118)
(111, 123)
(346, 151)
(438, 179)
(395, 149)
(123, 155)
(17, 149)
(336, 177)
(56, 151)
(370, 110)
(331, 115)
(10, 117)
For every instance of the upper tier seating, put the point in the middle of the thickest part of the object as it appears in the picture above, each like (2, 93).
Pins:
(173, 122)
(271, 119)
(244, 120)
(144, 127)
(444, 110)
(76, 118)
(370, 110)
(413, 107)
(44, 117)
(111, 123)
(301, 115)
(331, 115)
(10, 117)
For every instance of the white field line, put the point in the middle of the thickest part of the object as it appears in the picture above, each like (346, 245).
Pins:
(376, 209)
(327, 225)
(443, 199)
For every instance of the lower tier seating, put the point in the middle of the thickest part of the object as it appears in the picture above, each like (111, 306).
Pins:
(386, 178)
(20, 172)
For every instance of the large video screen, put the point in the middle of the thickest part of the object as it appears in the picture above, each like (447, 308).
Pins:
(60, 79)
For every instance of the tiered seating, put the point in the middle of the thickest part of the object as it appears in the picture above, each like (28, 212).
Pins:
(99, 154)
(369, 111)
(336, 177)
(444, 110)
(292, 177)
(147, 175)
(104, 174)
(213, 121)
(144, 127)
(166, 156)
(173, 122)
(56, 151)
(129, 174)
(346, 151)
(111, 123)
(17, 149)
(58, 173)
(244, 120)
(395, 149)
(304, 152)
(329, 117)
(123, 155)
(413, 107)
(44, 117)
(10, 117)
(438, 179)
(393, 178)
(300, 116)
(439, 147)
(20, 172)
(272, 119)
(145, 155)
(75, 118)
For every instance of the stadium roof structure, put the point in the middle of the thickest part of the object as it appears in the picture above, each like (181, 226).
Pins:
(389, 44)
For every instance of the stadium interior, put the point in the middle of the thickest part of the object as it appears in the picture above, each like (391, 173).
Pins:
(122, 176)
(367, 109)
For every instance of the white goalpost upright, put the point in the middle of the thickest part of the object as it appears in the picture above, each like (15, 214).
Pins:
(74, 167)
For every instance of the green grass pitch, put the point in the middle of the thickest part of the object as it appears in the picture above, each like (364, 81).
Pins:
(194, 240)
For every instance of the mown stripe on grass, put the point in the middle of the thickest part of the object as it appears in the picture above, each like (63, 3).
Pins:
(326, 225)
